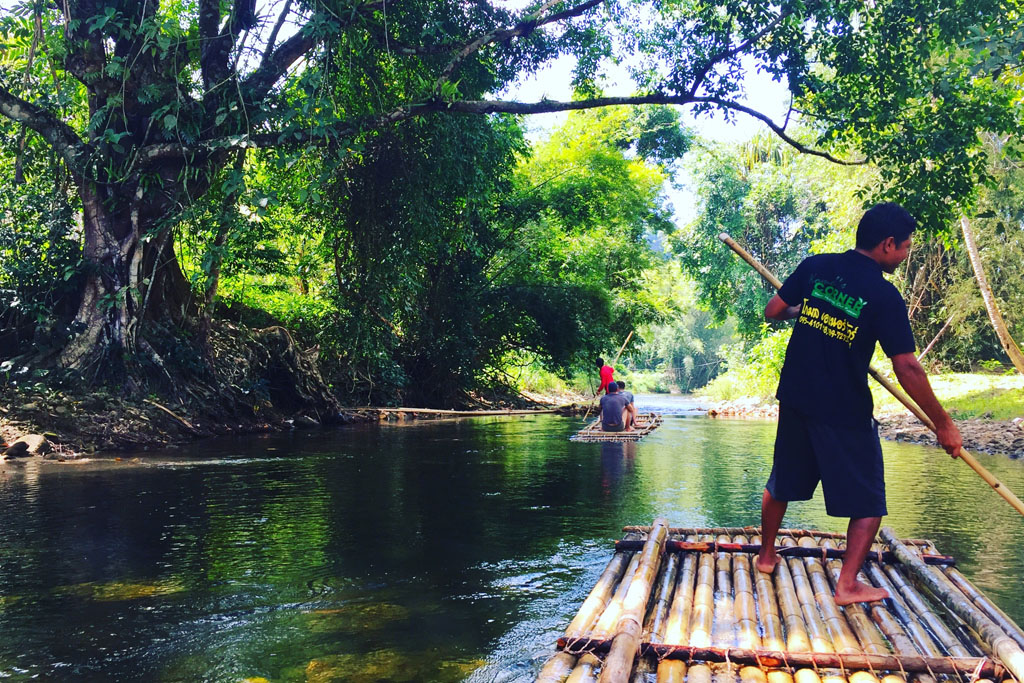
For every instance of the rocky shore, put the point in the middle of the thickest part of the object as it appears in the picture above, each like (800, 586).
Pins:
(1004, 437)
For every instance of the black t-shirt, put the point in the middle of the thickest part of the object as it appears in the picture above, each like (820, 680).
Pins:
(847, 307)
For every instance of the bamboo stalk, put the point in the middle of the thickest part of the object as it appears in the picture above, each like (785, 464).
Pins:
(797, 639)
(610, 617)
(987, 607)
(703, 615)
(561, 664)
(654, 624)
(599, 596)
(747, 630)
(586, 670)
(816, 629)
(947, 640)
(803, 550)
(677, 629)
(871, 640)
(619, 661)
(724, 618)
(985, 666)
(843, 639)
(1002, 645)
(756, 530)
(971, 461)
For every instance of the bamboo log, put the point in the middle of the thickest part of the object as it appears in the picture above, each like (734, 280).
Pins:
(605, 626)
(557, 668)
(1002, 645)
(797, 639)
(843, 639)
(947, 640)
(971, 461)
(657, 615)
(987, 607)
(703, 615)
(756, 530)
(599, 596)
(747, 631)
(871, 640)
(561, 664)
(816, 629)
(677, 629)
(586, 670)
(802, 550)
(619, 662)
(770, 617)
(724, 617)
(985, 666)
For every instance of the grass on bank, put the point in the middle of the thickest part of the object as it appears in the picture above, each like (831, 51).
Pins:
(967, 395)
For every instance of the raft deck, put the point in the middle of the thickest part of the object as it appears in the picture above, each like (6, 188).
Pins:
(645, 424)
(688, 605)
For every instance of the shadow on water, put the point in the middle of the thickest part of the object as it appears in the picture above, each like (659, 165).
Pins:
(428, 551)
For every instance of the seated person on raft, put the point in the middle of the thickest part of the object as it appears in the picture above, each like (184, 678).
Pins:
(621, 384)
(617, 413)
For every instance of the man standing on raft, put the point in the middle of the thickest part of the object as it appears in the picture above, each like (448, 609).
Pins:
(826, 431)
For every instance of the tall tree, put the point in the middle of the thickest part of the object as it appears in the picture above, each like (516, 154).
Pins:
(144, 102)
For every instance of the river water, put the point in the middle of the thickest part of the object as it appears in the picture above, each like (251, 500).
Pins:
(429, 551)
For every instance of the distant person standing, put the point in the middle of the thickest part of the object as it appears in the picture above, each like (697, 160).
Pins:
(606, 375)
(617, 414)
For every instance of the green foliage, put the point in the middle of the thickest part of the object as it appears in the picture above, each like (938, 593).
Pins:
(751, 373)
(757, 194)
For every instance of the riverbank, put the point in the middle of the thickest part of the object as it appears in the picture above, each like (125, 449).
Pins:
(988, 409)
(77, 424)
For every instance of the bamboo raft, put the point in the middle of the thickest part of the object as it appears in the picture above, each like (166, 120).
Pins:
(645, 424)
(677, 605)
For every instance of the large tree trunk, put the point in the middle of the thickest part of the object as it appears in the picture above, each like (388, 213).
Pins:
(127, 278)
(1010, 346)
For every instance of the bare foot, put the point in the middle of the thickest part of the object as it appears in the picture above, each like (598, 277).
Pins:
(767, 561)
(860, 592)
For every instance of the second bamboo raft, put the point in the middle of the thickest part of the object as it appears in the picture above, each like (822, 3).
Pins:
(679, 605)
(645, 424)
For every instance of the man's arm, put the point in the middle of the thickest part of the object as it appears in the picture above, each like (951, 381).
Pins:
(777, 309)
(914, 381)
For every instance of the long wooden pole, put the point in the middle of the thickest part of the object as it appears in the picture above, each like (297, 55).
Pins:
(997, 485)
(614, 361)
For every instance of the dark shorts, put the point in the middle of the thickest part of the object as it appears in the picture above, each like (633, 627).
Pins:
(846, 460)
(612, 428)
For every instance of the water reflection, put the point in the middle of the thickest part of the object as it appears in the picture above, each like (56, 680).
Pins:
(432, 551)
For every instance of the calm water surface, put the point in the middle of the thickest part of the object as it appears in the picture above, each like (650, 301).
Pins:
(433, 551)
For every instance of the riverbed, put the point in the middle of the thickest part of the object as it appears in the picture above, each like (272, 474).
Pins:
(443, 551)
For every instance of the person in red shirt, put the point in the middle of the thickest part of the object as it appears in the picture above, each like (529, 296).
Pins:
(606, 375)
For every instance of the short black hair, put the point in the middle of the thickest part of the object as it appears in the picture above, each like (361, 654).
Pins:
(882, 221)
(620, 383)
(612, 386)
(600, 362)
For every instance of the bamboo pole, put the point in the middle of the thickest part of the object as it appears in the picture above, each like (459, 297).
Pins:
(802, 550)
(756, 530)
(984, 666)
(839, 630)
(1002, 645)
(797, 640)
(703, 615)
(947, 640)
(585, 671)
(723, 630)
(605, 626)
(677, 629)
(971, 461)
(871, 640)
(614, 361)
(619, 661)
(988, 608)
(654, 624)
(747, 624)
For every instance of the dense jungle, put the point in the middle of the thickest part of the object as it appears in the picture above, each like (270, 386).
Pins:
(219, 215)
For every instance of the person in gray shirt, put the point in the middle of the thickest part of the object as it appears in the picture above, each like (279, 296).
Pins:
(622, 389)
(617, 413)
